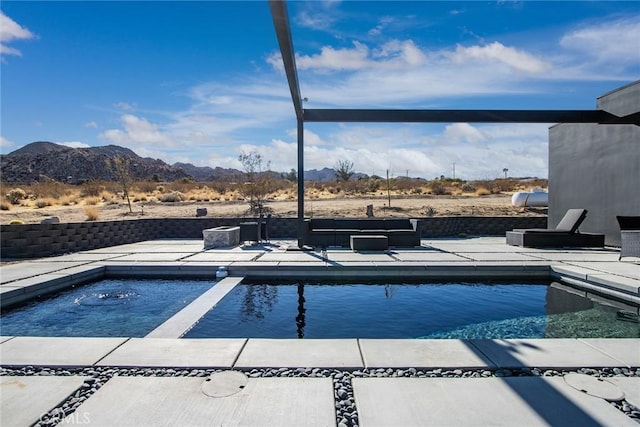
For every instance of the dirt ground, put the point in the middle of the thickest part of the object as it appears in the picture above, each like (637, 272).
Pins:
(490, 205)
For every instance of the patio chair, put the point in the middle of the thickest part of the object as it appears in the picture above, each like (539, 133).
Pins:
(565, 234)
(629, 236)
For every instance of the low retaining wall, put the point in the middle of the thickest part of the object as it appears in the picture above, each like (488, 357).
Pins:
(41, 240)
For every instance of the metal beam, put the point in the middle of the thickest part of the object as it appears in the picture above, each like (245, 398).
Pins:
(283, 32)
(468, 116)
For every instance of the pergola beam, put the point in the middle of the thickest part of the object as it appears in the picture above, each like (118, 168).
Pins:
(467, 116)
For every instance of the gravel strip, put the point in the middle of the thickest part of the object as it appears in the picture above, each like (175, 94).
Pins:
(346, 411)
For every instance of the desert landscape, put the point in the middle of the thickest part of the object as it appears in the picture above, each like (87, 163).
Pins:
(401, 206)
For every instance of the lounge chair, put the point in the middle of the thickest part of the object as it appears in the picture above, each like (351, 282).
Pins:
(565, 234)
(629, 236)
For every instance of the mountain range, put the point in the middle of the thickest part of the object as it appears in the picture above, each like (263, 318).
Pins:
(46, 161)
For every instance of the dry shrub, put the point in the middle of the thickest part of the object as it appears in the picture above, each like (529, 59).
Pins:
(4, 206)
(16, 195)
(67, 200)
(92, 213)
(50, 190)
(43, 203)
(92, 201)
(173, 197)
(439, 189)
(481, 191)
(92, 189)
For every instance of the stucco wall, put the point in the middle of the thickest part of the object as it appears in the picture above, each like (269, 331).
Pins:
(597, 167)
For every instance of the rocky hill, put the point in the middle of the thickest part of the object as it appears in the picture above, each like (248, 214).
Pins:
(45, 161)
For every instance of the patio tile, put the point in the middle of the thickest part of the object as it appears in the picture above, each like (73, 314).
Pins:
(630, 386)
(523, 401)
(26, 269)
(153, 401)
(543, 353)
(167, 352)
(221, 256)
(293, 353)
(428, 256)
(625, 350)
(56, 351)
(25, 399)
(496, 256)
(398, 353)
(151, 257)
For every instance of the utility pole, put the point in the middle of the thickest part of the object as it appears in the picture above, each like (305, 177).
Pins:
(454, 170)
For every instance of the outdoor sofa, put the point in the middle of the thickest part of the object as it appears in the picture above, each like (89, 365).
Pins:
(325, 232)
(565, 234)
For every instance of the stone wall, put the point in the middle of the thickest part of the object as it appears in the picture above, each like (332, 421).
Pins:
(41, 240)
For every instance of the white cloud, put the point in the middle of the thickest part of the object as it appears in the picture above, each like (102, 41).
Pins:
(91, 125)
(497, 52)
(463, 132)
(137, 131)
(5, 143)
(11, 31)
(615, 41)
(124, 106)
(336, 59)
(73, 144)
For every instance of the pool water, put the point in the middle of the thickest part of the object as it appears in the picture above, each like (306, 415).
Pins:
(107, 308)
(443, 310)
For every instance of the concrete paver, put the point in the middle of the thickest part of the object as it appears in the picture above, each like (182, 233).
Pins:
(523, 401)
(215, 353)
(56, 351)
(154, 401)
(543, 353)
(421, 354)
(292, 353)
(221, 256)
(625, 350)
(630, 387)
(24, 400)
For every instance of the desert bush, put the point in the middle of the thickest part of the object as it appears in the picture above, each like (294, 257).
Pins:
(43, 203)
(430, 211)
(173, 197)
(51, 189)
(66, 200)
(92, 213)
(5, 206)
(92, 201)
(16, 195)
(482, 191)
(146, 186)
(92, 189)
(16, 222)
(439, 189)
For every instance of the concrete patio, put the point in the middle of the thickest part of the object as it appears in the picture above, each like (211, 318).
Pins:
(159, 379)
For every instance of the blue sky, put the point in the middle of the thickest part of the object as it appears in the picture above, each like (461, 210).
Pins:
(201, 82)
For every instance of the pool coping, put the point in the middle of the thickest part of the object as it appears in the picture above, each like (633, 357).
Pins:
(478, 258)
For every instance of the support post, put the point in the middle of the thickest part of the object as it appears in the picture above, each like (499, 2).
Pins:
(300, 182)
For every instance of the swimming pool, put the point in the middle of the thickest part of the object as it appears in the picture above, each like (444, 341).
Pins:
(411, 310)
(107, 308)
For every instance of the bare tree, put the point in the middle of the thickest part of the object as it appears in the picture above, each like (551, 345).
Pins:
(121, 167)
(344, 170)
(257, 181)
